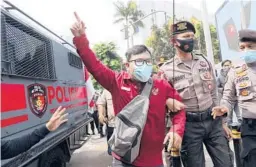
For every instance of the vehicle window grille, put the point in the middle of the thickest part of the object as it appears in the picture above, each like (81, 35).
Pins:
(74, 61)
(28, 52)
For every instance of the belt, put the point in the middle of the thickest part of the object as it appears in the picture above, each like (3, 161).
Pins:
(249, 121)
(199, 116)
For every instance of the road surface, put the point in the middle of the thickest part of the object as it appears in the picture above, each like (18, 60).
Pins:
(94, 154)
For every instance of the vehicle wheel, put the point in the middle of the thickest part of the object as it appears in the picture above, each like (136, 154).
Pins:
(54, 158)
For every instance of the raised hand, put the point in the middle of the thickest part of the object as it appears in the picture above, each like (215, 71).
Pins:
(78, 28)
(58, 118)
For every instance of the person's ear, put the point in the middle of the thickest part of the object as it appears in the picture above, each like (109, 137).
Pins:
(173, 41)
(127, 65)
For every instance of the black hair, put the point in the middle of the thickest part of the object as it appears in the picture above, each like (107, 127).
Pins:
(136, 49)
(222, 64)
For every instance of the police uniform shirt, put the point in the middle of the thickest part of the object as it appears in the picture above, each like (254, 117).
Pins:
(241, 83)
(194, 80)
(241, 86)
(106, 100)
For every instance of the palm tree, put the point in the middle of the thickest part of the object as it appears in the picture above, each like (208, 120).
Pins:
(127, 14)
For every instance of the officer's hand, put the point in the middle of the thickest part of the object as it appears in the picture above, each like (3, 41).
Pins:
(78, 27)
(174, 105)
(58, 118)
(227, 131)
(174, 140)
(102, 119)
(219, 111)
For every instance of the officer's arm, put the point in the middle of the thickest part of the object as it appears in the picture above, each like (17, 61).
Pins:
(101, 103)
(214, 89)
(179, 118)
(104, 75)
(14, 147)
(229, 94)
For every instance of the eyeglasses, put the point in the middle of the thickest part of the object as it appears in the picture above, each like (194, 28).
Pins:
(140, 62)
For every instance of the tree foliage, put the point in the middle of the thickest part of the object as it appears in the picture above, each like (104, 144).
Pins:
(106, 53)
(159, 40)
(200, 39)
(127, 13)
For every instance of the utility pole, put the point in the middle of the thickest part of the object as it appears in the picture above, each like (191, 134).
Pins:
(207, 35)
(126, 27)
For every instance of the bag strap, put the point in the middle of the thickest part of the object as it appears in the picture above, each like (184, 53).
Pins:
(147, 88)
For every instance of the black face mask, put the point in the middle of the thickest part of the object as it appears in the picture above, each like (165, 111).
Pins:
(186, 45)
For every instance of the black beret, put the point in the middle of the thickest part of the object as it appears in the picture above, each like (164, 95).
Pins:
(183, 26)
(247, 35)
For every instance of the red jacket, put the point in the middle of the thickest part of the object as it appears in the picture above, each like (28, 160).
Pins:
(123, 90)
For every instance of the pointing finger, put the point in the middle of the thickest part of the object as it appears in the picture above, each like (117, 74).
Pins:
(77, 17)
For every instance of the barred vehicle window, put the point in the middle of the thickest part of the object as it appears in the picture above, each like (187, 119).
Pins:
(28, 52)
(74, 61)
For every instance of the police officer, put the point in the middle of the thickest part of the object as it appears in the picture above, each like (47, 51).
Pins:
(241, 86)
(226, 66)
(192, 76)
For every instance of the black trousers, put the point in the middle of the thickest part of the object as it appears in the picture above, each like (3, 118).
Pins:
(211, 133)
(248, 155)
(95, 117)
(110, 131)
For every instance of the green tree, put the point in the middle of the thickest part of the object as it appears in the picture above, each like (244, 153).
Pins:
(159, 41)
(106, 53)
(200, 39)
(127, 14)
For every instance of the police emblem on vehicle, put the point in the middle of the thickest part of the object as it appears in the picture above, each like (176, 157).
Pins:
(37, 99)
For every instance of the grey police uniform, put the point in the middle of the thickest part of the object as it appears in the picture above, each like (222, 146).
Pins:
(222, 79)
(196, 84)
(241, 86)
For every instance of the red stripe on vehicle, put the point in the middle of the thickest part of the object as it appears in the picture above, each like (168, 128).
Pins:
(13, 120)
(12, 97)
(69, 106)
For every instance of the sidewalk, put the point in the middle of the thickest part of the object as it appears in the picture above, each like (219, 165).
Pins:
(94, 154)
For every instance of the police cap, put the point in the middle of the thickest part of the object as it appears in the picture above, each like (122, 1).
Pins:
(183, 26)
(247, 35)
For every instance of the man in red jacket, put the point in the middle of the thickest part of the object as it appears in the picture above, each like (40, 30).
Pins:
(125, 86)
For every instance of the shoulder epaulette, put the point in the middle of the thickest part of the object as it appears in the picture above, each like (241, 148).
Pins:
(198, 53)
(240, 69)
(169, 61)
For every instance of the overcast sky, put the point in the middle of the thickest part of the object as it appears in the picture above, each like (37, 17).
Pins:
(57, 15)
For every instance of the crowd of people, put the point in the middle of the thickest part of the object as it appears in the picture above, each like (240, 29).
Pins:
(186, 84)
(199, 106)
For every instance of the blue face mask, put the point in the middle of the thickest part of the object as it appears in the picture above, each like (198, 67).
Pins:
(142, 73)
(249, 56)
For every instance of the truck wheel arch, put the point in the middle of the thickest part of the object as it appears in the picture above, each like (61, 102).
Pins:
(59, 155)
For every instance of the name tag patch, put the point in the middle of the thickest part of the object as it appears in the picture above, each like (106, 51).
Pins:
(203, 64)
(244, 92)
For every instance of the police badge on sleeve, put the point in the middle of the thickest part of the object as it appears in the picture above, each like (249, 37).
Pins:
(37, 99)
